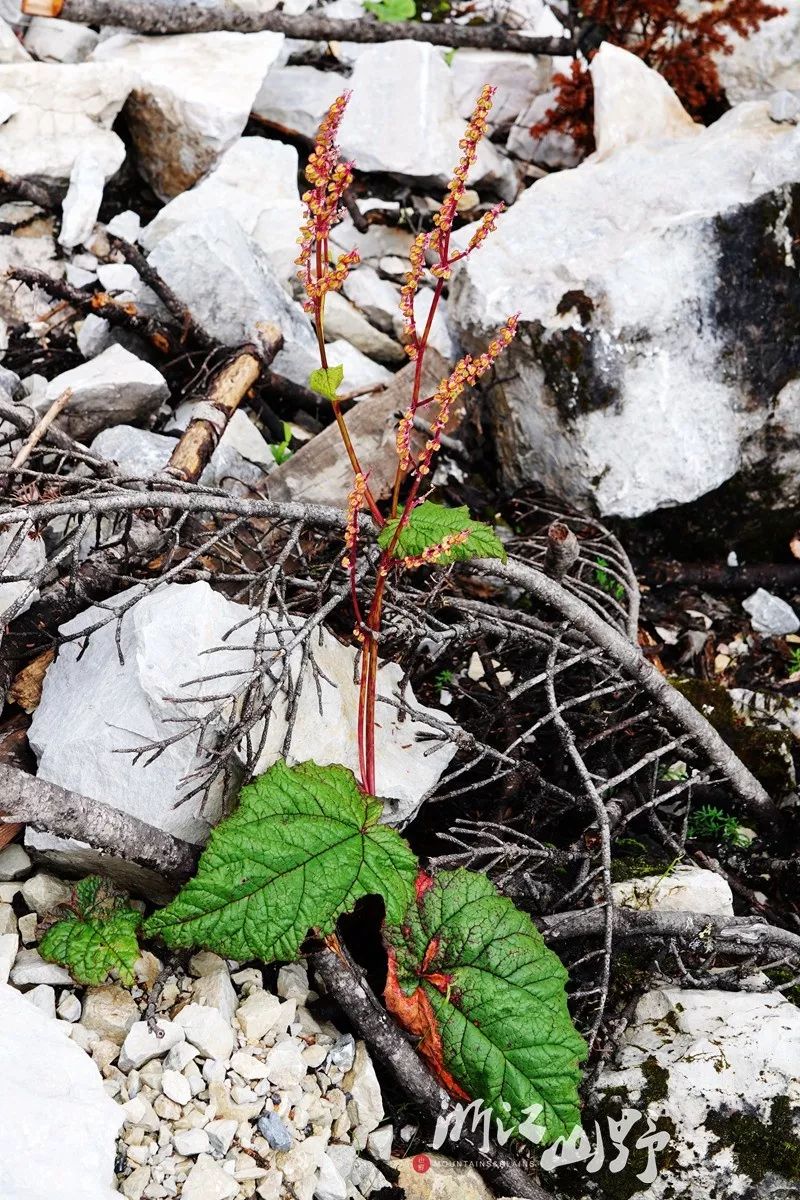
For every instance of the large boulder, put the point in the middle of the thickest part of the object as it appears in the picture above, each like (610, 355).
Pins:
(58, 1127)
(166, 665)
(657, 288)
(714, 1076)
(191, 98)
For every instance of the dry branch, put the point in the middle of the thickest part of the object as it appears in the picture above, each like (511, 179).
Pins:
(189, 16)
(633, 662)
(721, 577)
(214, 410)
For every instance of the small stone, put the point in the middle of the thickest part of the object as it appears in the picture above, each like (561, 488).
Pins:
(69, 1007)
(43, 892)
(27, 928)
(110, 1011)
(248, 1066)
(214, 1070)
(379, 1142)
(191, 1142)
(133, 1185)
(140, 1113)
(329, 1185)
(273, 1129)
(221, 1134)
(270, 1187)
(8, 921)
(343, 1053)
(176, 1087)
(105, 1052)
(215, 990)
(257, 1014)
(206, 1029)
(314, 1056)
(784, 107)
(284, 1064)
(362, 1084)
(140, 1045)
(147, 969)
(9, 945)
(248, 977)
(151, 1073)
(769, 615)
(208, 1181)
(43, 997)
(87, 1039)
(167, 1109)
(180, 1056)
(206, 963)
(30, 968)
(14, 862)
(7, 892)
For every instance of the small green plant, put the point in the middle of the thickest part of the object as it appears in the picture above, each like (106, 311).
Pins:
(95, 936)
(794, 660)
(306, 842)
(445, 678)
(467, 969)
(712, 822)
(280, 450)
(391, 10)
(606, 581)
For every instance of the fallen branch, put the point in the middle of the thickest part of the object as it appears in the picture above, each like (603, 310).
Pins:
(27, 799)
(633, 662)
(148, 275)
(741, 933)
(40, 429)
(214, 410)
(346, 984)
(719, 577)
(187, 16)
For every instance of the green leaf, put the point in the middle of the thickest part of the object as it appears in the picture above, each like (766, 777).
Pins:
(391, 10)
(96, 937)
(326, 381)
(302, 847)
(475, 971)
(449, 55)
(280, 450)
(430, 523)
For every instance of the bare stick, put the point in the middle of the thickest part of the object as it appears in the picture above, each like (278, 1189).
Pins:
(562, 550)
(41, 428)
(214, 410)
(25, 798)
(347, 985)
(188, 16)
(633, 662)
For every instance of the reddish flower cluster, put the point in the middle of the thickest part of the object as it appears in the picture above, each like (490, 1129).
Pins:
(355, 503)
(438, 239)
(432, 554)
(329, 179)
(676, 39)
(465, 373)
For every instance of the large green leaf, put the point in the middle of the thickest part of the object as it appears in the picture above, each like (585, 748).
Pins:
(326, 381)
(302, 847)
(96, 936)
(429, 525)
(392, 10)
(472, 975)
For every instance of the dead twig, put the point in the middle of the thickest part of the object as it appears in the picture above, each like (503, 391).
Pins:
(187, 16)
(41, 428)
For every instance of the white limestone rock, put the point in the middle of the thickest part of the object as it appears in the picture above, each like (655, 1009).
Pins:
(640, 313)
(21, 557)
(51, 40)
(14, 862)
(519, 78)
(295, 99)
(227, 282)
(163, 639)
(764, 61)
(208, 1181)
(362, 1084)
(377, 298)
(256, 182)
(9, 945)
(11, 48)
(112, 389)
(30, 969)
(82, 202)
(685, 889)
(553, 150)
(207, 1029)
(141, 1045)
(359, 371)
(722, 1054)
(53, 1105)
(633, 103)
(61, 111)
(769, 615)
(343, 320)
(191, 98)
(402, 118)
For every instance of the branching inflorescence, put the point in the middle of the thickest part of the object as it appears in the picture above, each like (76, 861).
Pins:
(320, 274)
